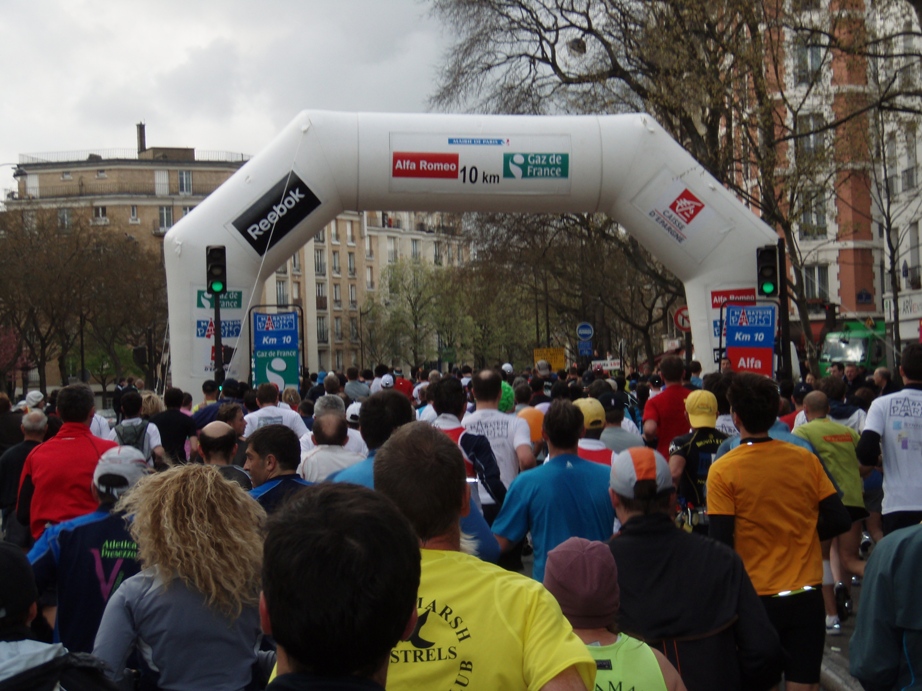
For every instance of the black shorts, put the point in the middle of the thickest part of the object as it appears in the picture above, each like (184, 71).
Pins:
(858, 513)
(800, 621)
(900, 519)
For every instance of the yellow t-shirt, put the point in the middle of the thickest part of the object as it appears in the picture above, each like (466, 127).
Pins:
(482, 627)
(773, 490)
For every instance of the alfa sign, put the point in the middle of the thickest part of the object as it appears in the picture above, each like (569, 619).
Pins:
(751, 338)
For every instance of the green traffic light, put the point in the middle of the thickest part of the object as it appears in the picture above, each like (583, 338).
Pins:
(216, 287)
(768, 288)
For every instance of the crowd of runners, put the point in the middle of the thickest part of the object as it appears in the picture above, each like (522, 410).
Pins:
(501, 528)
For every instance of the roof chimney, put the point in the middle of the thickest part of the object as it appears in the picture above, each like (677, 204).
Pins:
(142, 138)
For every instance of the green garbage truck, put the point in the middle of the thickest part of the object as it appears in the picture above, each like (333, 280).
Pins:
(863, 343)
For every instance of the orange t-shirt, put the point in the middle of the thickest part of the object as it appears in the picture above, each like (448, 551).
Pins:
(535, 420)
(773, 490)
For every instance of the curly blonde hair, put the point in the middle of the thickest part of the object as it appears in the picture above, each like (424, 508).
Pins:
(192, 524)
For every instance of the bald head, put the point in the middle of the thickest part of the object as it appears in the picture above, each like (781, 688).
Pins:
(816, 405)
(331, 429)
(34, 423)
(218, 441)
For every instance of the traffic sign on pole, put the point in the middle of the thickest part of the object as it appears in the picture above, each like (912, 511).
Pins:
(682, 320)
(584, 331)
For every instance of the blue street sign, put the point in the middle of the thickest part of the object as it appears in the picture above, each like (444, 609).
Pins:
(752, 327)
(584, 331)
(585, 348)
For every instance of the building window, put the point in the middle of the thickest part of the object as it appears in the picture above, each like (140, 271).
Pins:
(414, 249)
(186, 210)
(101, 174)
(913, 274)
(99, 215)
(350, 263)
(185, 182)
(369, 252)
(320, 237)
(296, 263)
(64, 220)
(449, 256)
(350, 234)
(339, 361)
(910, 179)
(334, 233)
(338, 328)
(391, 250)
(133, 216)
(808, 62)
(66, 175)
(281, 293)
(811, 141)
(336, 266)
(337, 296)
(166, 217)
(816, 282)
(320, 262)
(353, 301)
(353, 329)
(323, 336)
(813, 216)
(321, 291)
(369, 278)
(437, 253)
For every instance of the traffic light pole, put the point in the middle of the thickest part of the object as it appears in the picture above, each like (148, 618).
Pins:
(218, 345)
(784, 355)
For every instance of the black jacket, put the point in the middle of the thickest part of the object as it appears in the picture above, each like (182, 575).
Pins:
(690, 597)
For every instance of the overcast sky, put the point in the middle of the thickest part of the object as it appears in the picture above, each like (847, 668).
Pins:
(221, 75)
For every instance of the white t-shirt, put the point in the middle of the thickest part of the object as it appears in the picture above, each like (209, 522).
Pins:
(506, 433)
(273, 415)
(99, 426)
(355, 443)
(322, 461)
(897, 418)
(628, 425)
(153, 434)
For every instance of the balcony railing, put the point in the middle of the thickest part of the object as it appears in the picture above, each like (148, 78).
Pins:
(337, 304)
(111, 188)
(97, 156)
(323, 337)
(320, 269)
(321, 302)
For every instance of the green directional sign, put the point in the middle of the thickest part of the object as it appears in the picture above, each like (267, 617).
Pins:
(525, 166)
(232, 299)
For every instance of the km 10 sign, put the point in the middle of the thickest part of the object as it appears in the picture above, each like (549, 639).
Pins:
(751, 339)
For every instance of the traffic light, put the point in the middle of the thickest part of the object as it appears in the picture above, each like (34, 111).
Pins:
(767, 271)
(216, 269)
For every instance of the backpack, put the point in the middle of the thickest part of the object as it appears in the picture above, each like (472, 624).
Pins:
(136, 436)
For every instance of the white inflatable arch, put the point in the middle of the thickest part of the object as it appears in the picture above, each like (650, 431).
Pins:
(323, 163)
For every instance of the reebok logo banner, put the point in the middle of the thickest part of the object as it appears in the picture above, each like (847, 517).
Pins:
(276, 213)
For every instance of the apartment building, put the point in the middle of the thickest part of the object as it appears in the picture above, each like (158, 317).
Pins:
(333, 274)
(143, 191)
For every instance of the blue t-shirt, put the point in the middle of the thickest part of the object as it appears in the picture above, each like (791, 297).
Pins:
(566, 497)
(272, 493)
(474, 524)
